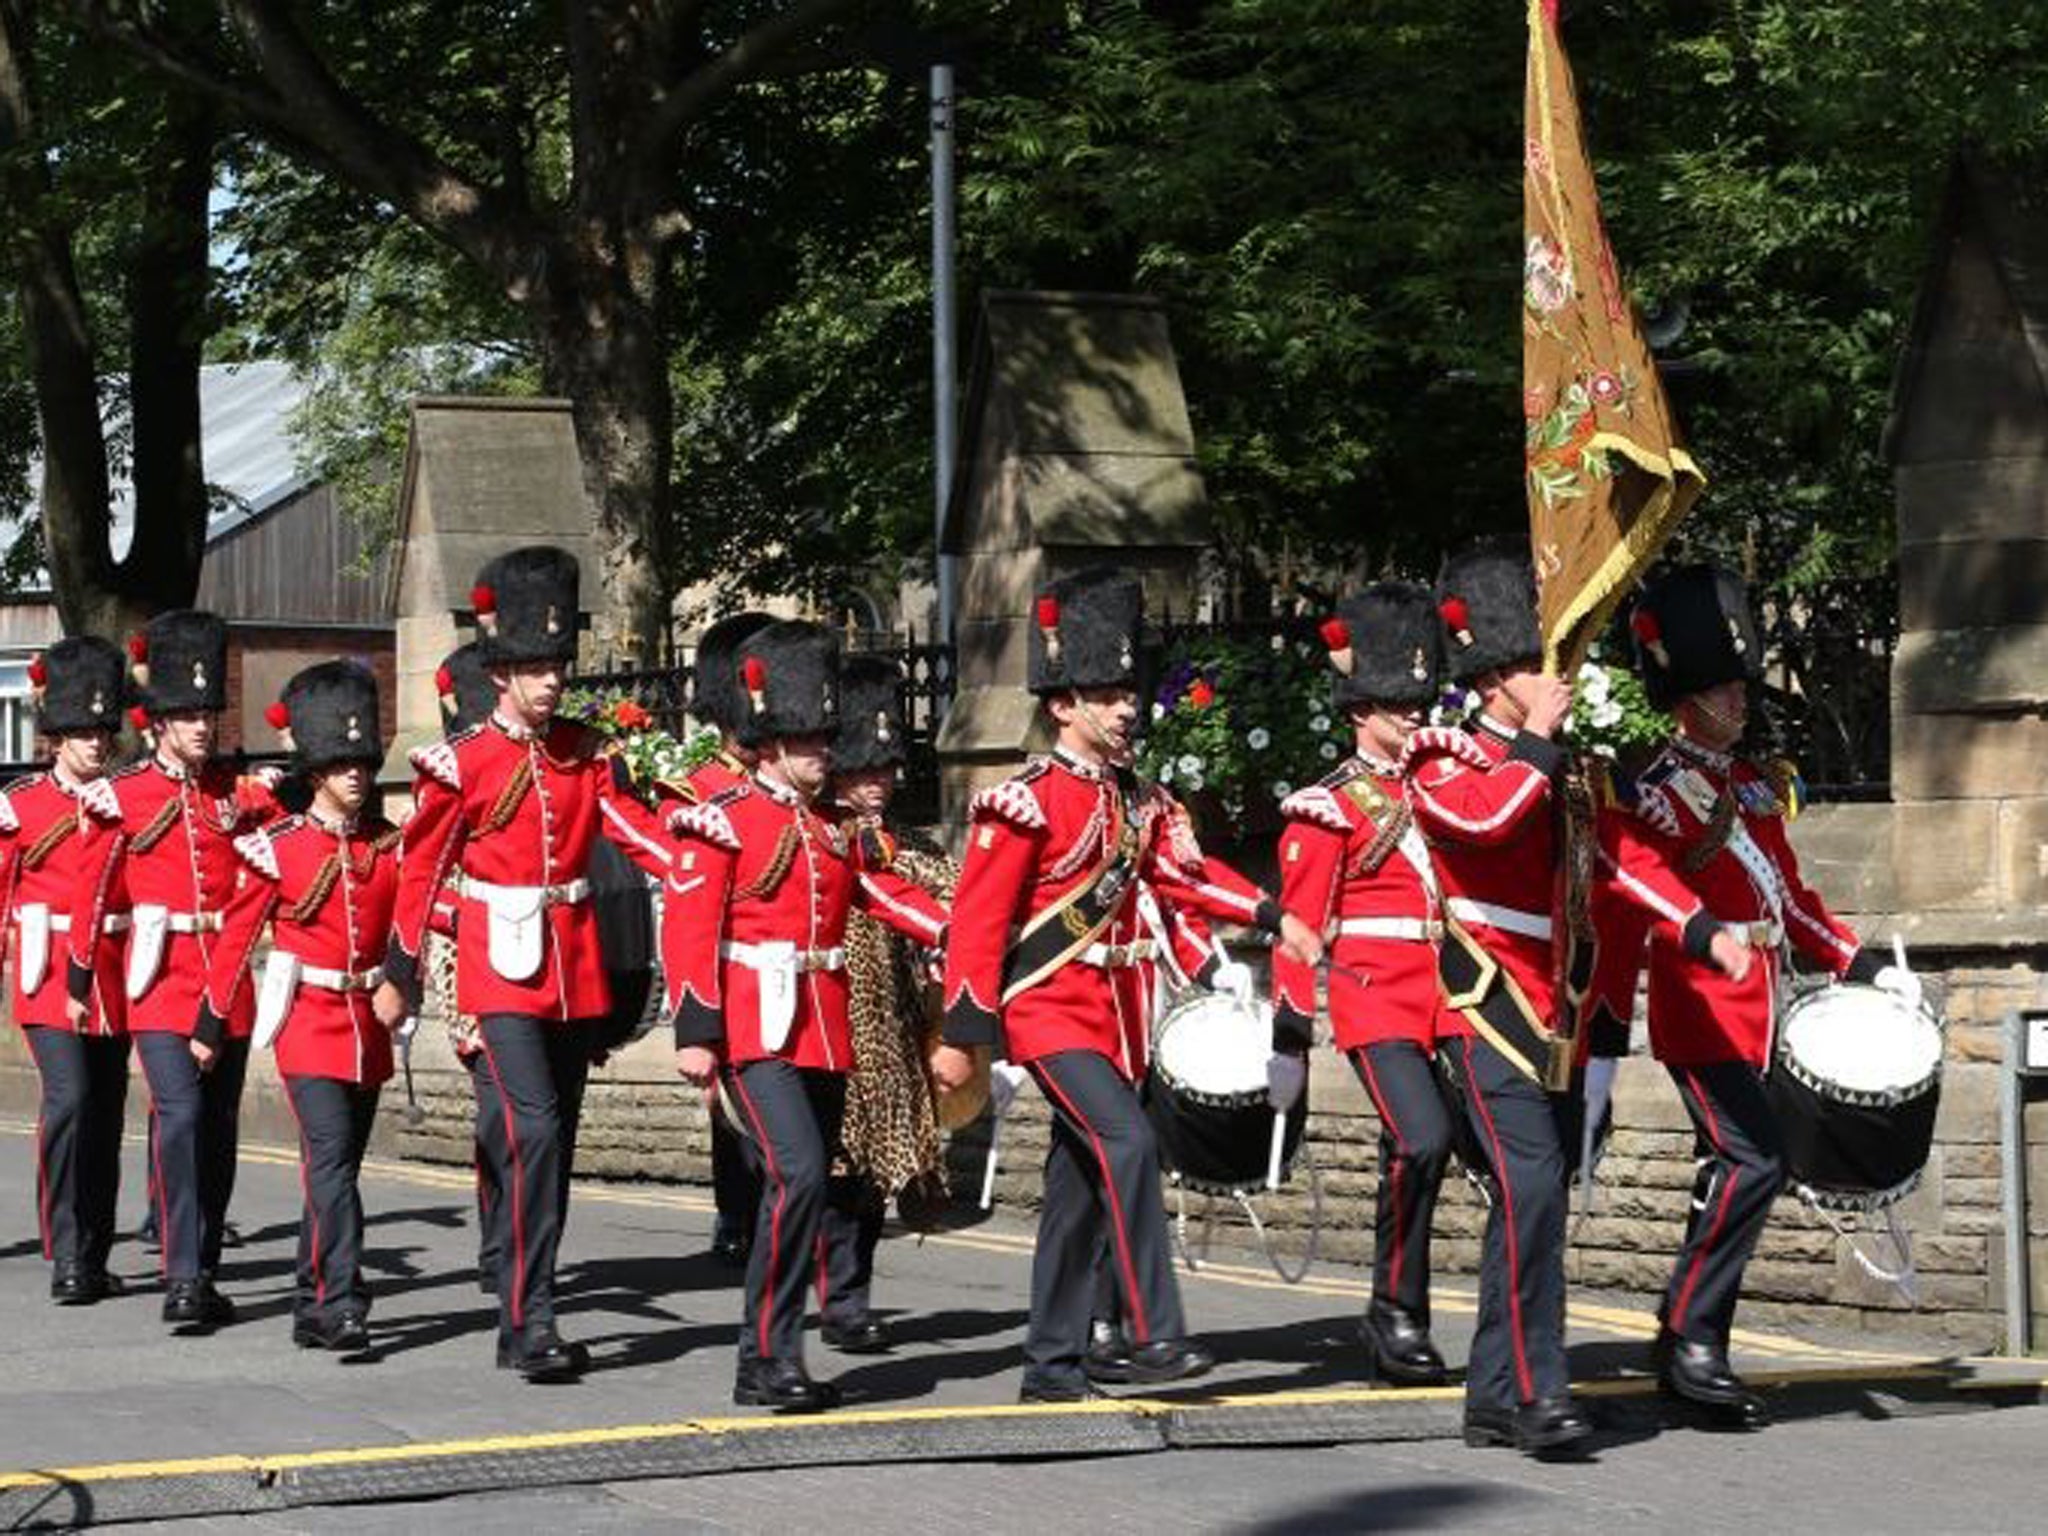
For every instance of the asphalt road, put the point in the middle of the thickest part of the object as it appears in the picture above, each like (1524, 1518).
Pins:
(106, 1384)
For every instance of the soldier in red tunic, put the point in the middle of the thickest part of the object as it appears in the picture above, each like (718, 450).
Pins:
(84, 1068)
(715, 700)
(1354, 865)
(325, 882)
(505, 814)
(1488, 801)
(159, 838)
(1719, 818)
(1047, 951)
(765, 880)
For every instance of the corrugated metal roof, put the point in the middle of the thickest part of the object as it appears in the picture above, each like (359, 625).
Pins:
(245, 448)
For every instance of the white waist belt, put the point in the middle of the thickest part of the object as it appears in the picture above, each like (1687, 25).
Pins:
(567, 894)
(342, 981)
(1110, 956)
(758, 957)
(1421, 930)
(1530, 925)
(113, 922)
(195, 922)
(1761, 934)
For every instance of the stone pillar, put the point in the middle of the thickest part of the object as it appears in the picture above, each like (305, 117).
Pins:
(1076, 450)
(482, 476)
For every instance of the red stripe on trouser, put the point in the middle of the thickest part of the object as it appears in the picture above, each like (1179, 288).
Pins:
(1141, 1330)
(1372, 1084)
(1523, 1379)
(312, 1216)
(518, 1193)
(163, 1202)
(818, 1261)
(1728, 1168)
(767, 1302)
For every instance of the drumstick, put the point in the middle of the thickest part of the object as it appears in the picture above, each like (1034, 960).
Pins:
(988, 1168)
(1899, 950)
(1277, 1150)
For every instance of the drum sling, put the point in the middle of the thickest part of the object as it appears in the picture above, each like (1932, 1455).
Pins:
(1065, 929)
(1482, 992)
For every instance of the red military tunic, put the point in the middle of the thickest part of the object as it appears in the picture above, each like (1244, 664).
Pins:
(1033, 842)
(508, 817)
(1354, 867)
(1751, 879)
(1485, 800)
(328, 894)
(758, 866)
(41, 837)
(712, 777)
(160, 841)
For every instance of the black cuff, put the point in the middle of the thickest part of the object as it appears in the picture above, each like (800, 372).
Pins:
(698, 1023)
(1293, 1031)
(211, 1028)
(968, 1024)
(1700, 929)
(1540, 752)
(1866, 965)
(402, 970)
(1267, 918)
(1605, 1034)
(78, 982)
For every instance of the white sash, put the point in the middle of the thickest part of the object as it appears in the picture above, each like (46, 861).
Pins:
(146, 947)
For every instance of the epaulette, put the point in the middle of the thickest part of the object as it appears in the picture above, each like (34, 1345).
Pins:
(1318, 806)
(1010, 801)
(1658, 773)
(437, 759)
(1446, 740)
(257, 851)
(1342, 774)
(681, 788)
(708, 821)
(129, 770)
(98, 797)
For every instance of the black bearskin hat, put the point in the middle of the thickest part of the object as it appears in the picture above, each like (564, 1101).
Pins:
(82, 683)
(788, 682)
(526, 605)
(715, 694)
(870, 715)
(331, 711)
(1693, 630)
(463, 679)
(1085, 631)
(1387, 646)
(180, 661)
(1486, 601)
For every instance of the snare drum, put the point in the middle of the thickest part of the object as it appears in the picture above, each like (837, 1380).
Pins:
(1855, 1086)
(1205, 1095)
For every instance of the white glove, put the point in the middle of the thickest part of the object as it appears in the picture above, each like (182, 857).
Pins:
(1232, 979)
(1004, 1079)
(1286, 1077)
(1901, 983)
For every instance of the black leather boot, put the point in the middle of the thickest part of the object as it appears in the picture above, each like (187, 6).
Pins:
(1700, 1374)
(1402, 1351)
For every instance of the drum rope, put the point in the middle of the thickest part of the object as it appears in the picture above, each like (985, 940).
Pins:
(1310, 1248)
(1906, 1278)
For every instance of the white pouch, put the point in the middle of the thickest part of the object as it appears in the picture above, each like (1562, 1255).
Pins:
(775, 966)
(33, 920)
(146, 947)
(518, 930)
(274, 995)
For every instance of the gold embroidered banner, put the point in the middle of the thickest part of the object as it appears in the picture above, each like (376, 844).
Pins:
(1608, 475)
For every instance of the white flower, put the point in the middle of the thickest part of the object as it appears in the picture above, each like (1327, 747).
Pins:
(1606, 714)
(1595, 686)
(1258, 738)
(1282, 789)
(1158, 710)
(1319, 724)
(1604, 749)
(1279, 642)
(1189, 763)
(1166, 773)
(1194, 781)
(1328, 751)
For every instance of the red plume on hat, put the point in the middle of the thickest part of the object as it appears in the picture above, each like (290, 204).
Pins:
(1457, 619)
(1048, 615)
(754, 672)
(1337, 641)
(278, 715)
(138, 659)
(38, 674)
(1650, 635)
(483, 601)
(444, 681)
(139, 718)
